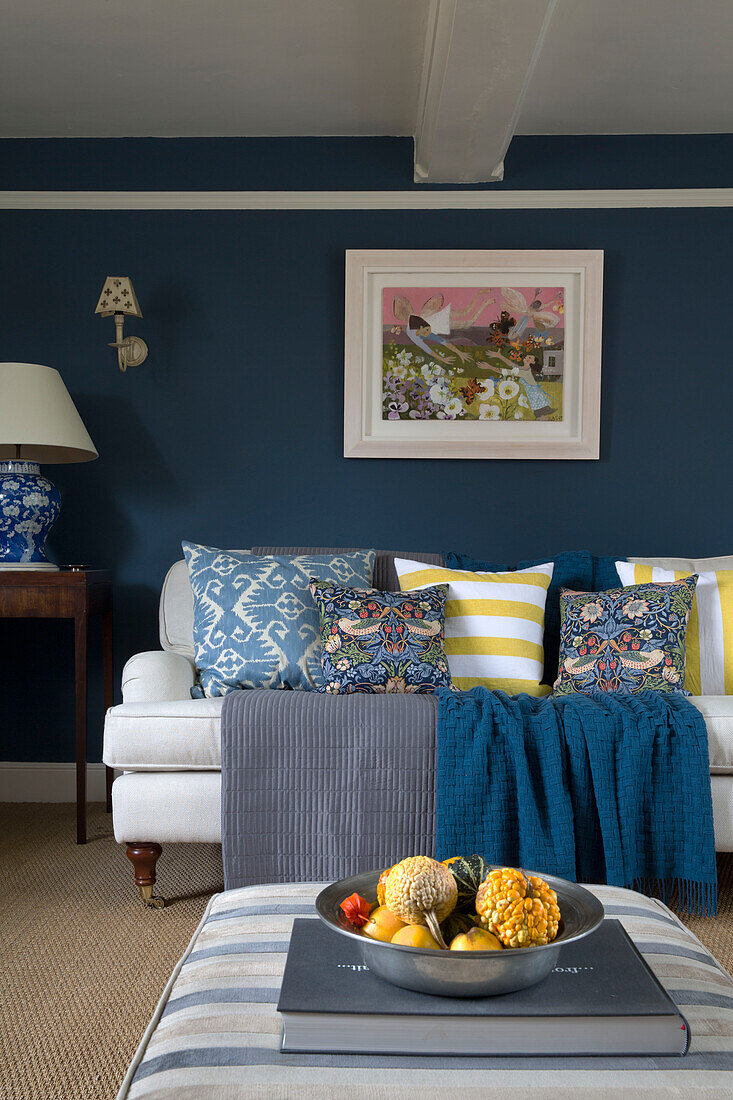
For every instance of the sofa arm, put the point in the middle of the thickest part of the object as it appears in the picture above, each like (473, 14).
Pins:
(156, 676)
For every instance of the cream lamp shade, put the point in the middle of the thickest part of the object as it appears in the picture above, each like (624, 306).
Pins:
(38, 416)
(118, 297)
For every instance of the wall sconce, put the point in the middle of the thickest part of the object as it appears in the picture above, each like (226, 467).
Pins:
(119, 298)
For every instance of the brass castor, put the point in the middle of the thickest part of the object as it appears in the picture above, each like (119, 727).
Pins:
(143, 857)
(146, 893)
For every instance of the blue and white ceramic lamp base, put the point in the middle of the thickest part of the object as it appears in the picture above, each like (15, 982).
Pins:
(29, 507)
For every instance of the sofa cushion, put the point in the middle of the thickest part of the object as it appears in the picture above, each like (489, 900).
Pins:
(690, 565)
(385, 574)
(176, 598)
(185, 734)
(175, 735)
(493, 624)
(381, 642)
(576, 569)
(709, 660)
(625, 640)
(255, 624)
(175, 614)
(718, 713)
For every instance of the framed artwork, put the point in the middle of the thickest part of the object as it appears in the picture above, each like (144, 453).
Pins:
(473, 354)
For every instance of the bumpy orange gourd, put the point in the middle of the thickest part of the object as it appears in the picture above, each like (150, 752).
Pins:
(521, 911)
(381, 884)
(419, 890)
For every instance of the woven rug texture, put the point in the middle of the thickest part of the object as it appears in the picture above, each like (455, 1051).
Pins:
(83, 963)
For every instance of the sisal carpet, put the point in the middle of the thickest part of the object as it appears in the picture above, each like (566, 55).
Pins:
(82, 963)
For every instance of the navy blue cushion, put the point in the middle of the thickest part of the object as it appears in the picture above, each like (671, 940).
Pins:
(605, 574)
(382, 642)
(576, 569)
(626, 639)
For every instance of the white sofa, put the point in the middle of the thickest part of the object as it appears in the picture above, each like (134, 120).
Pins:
(168, 746)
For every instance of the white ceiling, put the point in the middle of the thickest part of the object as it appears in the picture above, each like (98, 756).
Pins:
(185, 68)
(633, 67)
(197, 68)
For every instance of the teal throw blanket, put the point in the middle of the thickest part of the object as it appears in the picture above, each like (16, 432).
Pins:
(604, 788)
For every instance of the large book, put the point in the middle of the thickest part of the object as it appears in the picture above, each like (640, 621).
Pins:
(601, 998)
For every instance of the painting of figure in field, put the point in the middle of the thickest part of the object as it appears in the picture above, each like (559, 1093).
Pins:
(473, 353)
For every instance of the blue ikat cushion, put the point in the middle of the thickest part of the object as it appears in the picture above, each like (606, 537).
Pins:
(576, 569)
(625, 640)
(255, 624)
(380, 642)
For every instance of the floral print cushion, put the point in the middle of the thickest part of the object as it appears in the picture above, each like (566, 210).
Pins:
(381, 642)
(625, 640)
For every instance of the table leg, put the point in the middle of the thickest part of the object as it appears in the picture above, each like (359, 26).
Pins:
(108, 677)
(80, 661)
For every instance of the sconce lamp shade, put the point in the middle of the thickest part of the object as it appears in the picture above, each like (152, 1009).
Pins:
(118, 297)
(38, 415)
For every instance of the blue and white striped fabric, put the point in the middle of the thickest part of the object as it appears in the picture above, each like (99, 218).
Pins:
(215, 1034)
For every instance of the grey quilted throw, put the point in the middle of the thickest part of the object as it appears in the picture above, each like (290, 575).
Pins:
(316, 787)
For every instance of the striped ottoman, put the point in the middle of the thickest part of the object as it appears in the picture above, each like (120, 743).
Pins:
(215, 1034)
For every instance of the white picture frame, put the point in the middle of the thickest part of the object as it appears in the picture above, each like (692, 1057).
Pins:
(562, 413)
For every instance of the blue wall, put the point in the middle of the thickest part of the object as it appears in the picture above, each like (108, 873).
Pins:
(231, 432)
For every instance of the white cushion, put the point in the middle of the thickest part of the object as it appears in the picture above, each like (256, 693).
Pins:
(694, 565)
(493, 623)
(167, 807)
(718, 713)
(177, 735)
(721, 788)
(174, 735)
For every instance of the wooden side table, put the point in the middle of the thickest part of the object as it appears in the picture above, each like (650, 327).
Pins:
(69, 594)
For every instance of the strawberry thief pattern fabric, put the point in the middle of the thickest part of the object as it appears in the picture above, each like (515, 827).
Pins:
(625, 640)
(377, 642)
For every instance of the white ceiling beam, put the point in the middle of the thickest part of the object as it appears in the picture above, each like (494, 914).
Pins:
(479, 58)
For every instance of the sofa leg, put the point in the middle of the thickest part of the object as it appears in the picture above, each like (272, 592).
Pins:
(143, 858)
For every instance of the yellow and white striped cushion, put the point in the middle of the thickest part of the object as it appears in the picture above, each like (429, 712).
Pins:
(494, 624)
(709, 648)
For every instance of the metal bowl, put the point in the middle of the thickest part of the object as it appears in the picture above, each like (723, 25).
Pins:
(462, 973)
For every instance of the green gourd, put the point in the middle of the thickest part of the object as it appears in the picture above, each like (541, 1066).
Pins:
(457, 923)
(469, 872)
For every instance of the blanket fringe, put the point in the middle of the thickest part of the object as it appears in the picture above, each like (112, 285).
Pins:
(697, 899)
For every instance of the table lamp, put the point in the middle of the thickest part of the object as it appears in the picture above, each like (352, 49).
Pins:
(38, 423)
